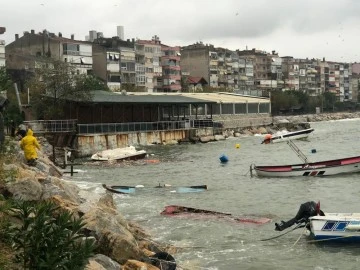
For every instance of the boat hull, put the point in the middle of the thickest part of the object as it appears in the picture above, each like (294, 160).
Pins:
(336, 227)
(295, 135)
(127, 153)
(178, 210)
(322, 168)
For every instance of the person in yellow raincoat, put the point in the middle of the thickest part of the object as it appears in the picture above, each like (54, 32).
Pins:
(29, 144)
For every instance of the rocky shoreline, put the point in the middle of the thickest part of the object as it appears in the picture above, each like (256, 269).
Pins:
(123, 244)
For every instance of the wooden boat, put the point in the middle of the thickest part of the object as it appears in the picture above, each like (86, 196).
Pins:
(119, 189)
(178, 210)
(319, 168)
(292, 135)
(335, 227)
(132, 189)
(119, 154)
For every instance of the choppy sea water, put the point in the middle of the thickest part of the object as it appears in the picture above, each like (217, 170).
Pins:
(222, 244)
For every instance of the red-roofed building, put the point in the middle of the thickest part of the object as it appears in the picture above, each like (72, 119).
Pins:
(196, 84)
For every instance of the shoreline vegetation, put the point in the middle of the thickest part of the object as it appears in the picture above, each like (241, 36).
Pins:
(118, 243)
(35, 200)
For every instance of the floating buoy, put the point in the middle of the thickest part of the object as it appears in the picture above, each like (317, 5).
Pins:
(237, 145)
(223, 159)
(313, 150)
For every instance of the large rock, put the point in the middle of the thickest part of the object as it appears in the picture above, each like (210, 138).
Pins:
(27, 189)
(136, 265)
(106, 262)
(54, 186)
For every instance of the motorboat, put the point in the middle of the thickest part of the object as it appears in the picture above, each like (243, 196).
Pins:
(125, 153)
(319, 168)
(335, 227)
(282, 136)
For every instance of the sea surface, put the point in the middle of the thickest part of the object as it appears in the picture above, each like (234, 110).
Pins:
(215, 243)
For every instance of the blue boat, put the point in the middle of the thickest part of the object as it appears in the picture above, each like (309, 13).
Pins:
(335, 227)
(191, 189)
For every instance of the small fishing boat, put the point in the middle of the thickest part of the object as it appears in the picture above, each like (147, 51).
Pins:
(335, 227)
(190, 189)
(119, 154)
(132, 189)
(319, 168)
(120, 189)
(285, 136)
(178, 210)
(322, 226)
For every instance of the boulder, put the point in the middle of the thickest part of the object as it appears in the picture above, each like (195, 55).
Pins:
(106, 262)
(54, 186)
(137, 265)
(27, 189)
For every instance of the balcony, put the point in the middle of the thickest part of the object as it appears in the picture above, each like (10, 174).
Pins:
(80, 53)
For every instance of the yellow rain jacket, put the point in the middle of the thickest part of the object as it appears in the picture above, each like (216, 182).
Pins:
(29, 144)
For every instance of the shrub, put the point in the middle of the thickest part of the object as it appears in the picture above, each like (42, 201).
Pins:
(48, 237)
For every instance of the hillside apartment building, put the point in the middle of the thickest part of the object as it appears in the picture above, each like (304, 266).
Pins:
(150, 66)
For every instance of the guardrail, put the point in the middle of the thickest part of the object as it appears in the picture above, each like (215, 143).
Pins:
(145, 126)
(52, 126)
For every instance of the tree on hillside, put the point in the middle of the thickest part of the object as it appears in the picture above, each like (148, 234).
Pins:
(5, 81)
(12, 111)
(56, 82)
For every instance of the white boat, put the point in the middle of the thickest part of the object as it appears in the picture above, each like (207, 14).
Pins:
(283, 136)
(318, 168)
(119, 154)
(335, 227)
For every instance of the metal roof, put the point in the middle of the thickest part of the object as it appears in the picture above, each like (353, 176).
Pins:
(145, 98)
(210, 97)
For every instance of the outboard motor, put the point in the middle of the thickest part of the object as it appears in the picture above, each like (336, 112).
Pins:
(306, 210)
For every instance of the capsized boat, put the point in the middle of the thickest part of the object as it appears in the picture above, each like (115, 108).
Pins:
(190, 189)
(178, 210)
(132, 189)
(120, 189)
(285, 136)
(129, 152)
(335, 227)
(319, 168)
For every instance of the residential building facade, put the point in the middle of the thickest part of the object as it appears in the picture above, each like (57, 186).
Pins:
(171, 70)
(114, 62)
(2, 53)
(148, 64)
(220, 67)
(26, 53)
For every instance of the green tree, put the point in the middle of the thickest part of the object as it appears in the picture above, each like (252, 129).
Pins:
(12, 110)
(54, 83)
(329, 100)
(5, 81)
(91, 82)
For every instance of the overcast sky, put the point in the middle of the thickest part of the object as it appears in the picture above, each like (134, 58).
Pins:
(306, 28)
